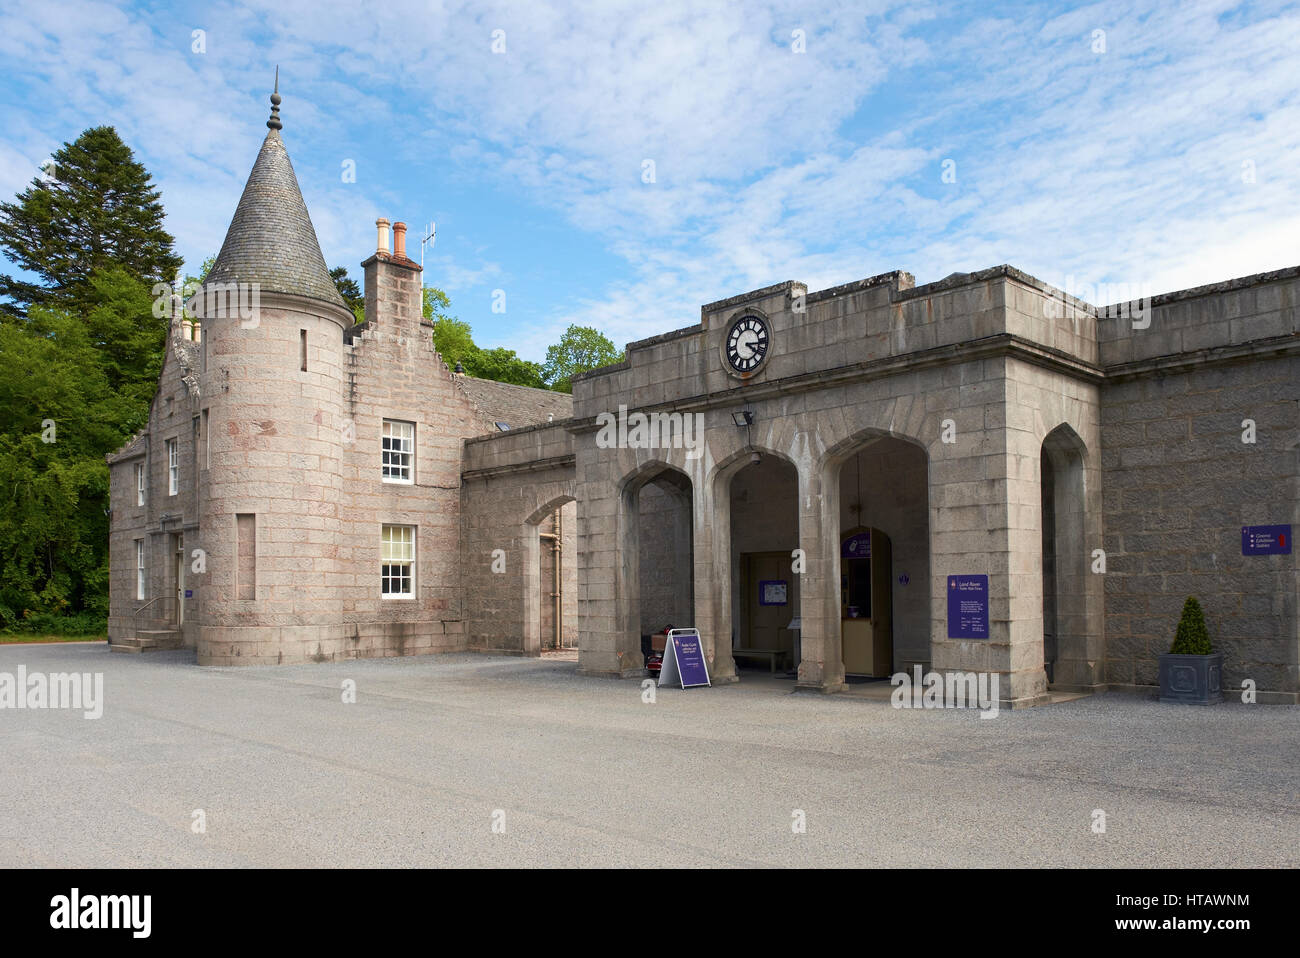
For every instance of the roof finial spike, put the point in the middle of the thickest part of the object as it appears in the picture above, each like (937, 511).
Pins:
(274, 122)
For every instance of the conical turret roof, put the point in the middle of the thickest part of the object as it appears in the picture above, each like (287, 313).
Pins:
(271, 241)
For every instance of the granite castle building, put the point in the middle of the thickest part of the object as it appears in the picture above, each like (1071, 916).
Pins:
(982, 473)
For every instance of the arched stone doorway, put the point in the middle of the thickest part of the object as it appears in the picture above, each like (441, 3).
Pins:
(761, 492)
(656, 549)
(1065, 559)
(882, 556)
(550, 581)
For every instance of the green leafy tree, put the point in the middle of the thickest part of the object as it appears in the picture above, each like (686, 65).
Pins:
(505, 366)
(127, 337)
(1192, 637)
(454, 340)
(580, 349)
(94, 207)
(350, 292)
(436, 303)
(62, 414)
(451, 336)
(78, 370)
(193, 281)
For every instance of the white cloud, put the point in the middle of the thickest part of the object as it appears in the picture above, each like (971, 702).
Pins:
(824, 166)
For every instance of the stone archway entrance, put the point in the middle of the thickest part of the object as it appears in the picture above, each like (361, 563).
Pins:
(1065, 556)
(550, 621)
(883, 555)
(657, 561)
(762, 498)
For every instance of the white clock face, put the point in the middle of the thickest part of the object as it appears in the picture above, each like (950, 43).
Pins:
(747, 343)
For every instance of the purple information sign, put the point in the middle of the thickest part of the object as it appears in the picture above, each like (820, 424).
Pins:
(1266, 540)
(968, 607)
(684, 660)
(857, 546)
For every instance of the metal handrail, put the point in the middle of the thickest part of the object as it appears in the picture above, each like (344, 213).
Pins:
(146, 605)
(157, 598)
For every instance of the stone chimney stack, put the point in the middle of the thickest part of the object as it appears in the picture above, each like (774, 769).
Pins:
(394, 288)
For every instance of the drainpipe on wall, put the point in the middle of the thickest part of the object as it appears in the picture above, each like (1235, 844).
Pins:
(559, 589)
(556, 590)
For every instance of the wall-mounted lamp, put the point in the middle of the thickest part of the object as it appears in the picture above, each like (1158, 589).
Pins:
(745, 418)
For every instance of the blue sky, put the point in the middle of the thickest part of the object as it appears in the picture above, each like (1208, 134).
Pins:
(1163, 150)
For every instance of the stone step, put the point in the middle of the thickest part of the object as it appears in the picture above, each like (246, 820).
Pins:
(149, 640)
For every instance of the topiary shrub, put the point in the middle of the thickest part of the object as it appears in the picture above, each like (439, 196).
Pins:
(1192, 638)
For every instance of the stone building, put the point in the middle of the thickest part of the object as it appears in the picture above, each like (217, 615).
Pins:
(978, 474)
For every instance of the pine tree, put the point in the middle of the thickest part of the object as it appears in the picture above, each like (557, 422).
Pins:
(77, 370)
(1192, 638)
(94, 208)
(350, 291)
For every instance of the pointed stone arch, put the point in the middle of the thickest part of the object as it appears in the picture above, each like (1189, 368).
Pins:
(909, 534)
(614, 615)
(1070, 597)
(723, 557)
(557, 496)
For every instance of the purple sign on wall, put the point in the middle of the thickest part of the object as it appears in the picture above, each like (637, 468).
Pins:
(856, 546)
(773, 592)
(684, 660)
(1266, 540)
(968, 607)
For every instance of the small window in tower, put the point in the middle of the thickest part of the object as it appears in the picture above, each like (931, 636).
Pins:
(173, 468)
(302, 348)
(205, 457)
(398, 450)
(139, 483)
(397, 562)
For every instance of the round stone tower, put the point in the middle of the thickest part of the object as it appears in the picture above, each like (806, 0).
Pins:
(272, 431)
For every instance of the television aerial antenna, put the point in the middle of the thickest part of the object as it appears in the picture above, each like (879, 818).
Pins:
(427, 239)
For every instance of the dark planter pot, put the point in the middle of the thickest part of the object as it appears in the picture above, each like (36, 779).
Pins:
(1191, 679)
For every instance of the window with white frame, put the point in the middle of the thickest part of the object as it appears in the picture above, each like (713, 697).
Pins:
(139, 483)
(399, 451)
(173, 468)
(139, 569)
(397, 562)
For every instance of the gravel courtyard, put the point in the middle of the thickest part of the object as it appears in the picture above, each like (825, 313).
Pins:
(582, 772)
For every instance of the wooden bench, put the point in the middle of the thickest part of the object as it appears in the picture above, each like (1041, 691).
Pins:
(771, 654)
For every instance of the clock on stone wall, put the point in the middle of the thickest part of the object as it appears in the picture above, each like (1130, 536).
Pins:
(747, 343)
